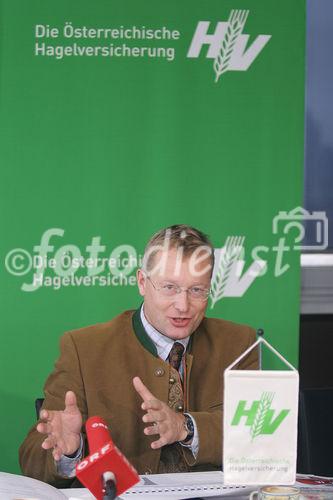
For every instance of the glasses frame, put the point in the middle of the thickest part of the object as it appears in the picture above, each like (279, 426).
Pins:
(180, 289)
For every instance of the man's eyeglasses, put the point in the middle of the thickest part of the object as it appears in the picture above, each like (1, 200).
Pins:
(171, 290)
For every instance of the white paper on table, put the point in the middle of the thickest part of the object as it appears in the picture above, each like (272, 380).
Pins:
(183, 485)
(16, 487)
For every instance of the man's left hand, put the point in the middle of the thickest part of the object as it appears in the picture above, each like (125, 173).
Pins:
(166, 422)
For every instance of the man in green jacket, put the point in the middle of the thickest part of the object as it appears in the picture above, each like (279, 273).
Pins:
(155, 375)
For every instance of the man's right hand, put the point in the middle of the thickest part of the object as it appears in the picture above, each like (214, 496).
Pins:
(62, 428)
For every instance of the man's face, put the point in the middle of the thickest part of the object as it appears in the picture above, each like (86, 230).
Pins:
(179, 315)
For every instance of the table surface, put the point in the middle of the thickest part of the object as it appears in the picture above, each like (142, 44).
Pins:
(197, 485)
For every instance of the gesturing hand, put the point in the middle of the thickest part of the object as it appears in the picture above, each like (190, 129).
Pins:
(62, 428)
(166, 422)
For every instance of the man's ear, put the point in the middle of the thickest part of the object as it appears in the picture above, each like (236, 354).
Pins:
(141, 279)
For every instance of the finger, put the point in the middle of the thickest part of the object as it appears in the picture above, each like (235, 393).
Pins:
(159, 443)
(152, 404)
(44, 415)
(150, 431)
(142, 389)
(47, 416)
(70, 401)
(49, 442)
(44, 428)
(153, 416)
(57, 453)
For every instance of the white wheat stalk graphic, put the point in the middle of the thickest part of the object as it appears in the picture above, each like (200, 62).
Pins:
(263, 407)
(233, 247)
(236, 22)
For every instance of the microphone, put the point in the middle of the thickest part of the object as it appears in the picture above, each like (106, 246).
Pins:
(106, 472)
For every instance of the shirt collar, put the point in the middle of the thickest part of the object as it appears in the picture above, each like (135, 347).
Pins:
(162, 342)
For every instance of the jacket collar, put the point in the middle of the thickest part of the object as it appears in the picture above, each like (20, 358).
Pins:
(144, 338)
(142, 335)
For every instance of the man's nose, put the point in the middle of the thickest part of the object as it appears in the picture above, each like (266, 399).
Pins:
(182, 301)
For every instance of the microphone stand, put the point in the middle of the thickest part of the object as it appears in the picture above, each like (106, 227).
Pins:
(260, 333)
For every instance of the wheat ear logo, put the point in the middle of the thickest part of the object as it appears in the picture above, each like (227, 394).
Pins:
(259, 416)
(236, 22)
(263, 407)
(225, 266)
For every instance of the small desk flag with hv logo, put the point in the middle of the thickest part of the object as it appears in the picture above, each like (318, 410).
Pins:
(260, 424)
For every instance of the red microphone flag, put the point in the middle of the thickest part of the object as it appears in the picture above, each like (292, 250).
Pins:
(104, 457)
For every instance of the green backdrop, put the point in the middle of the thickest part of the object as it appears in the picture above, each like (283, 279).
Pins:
(118, 146)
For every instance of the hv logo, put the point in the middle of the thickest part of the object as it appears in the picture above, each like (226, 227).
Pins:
(227, 44)
(259, 416)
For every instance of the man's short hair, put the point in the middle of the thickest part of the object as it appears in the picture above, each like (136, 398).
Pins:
(188, 238)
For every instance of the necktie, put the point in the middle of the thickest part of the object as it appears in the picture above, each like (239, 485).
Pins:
(172, 459)
(176, 355)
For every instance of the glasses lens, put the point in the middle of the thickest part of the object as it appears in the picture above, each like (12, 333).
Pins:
(169, 290)
(198, 293)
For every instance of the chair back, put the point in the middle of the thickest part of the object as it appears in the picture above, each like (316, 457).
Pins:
(38, 405)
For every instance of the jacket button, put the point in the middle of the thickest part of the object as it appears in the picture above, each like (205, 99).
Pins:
(179, 408)
(172, 380)
(159, 372)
